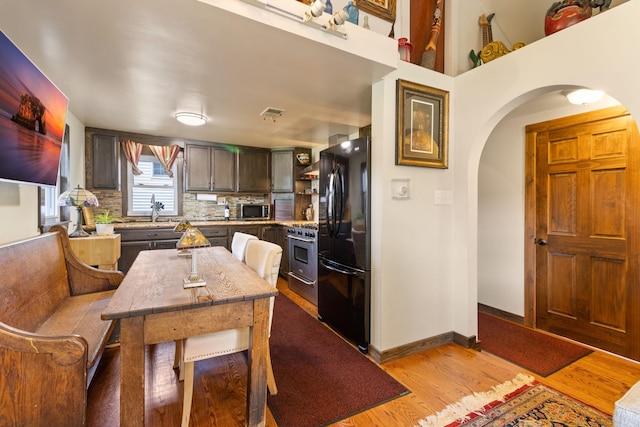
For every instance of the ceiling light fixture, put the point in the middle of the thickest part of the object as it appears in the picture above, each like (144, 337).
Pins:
(191, 119)
(584, 96)
(272, 113)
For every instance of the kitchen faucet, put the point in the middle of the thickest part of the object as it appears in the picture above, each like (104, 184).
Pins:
(154, 211)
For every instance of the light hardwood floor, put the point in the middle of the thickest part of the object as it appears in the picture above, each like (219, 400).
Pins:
(436, 378)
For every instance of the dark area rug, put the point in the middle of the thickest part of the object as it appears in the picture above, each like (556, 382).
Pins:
(533, 350)
(321, 379)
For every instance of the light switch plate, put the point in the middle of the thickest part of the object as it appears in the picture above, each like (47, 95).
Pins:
(400, 189)
(443, 197)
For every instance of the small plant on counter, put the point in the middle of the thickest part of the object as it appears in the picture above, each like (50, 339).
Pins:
(105, 218)
(104, 223)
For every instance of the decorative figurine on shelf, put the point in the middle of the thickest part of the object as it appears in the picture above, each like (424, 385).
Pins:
(429, 54)
(353, 12)
(563, 14)
(490, 49)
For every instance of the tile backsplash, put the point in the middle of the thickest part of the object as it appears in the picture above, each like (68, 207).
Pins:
(192, 209)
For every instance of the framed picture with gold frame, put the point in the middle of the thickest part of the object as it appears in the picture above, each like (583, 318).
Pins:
(384, 9)
(422, 122)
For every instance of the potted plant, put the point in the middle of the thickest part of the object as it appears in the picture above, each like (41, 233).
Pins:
(104, 223)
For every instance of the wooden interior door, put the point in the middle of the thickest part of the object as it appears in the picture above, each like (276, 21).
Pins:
(587, 225)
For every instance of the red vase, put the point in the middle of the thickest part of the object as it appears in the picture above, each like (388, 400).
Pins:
(564, 14)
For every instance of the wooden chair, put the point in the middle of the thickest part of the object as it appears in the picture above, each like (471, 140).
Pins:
(264, 258)
(239, 244)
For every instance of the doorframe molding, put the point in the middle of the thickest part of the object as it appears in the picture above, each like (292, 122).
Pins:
(530, 202)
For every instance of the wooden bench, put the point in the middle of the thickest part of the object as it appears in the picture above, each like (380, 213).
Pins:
(51, 333)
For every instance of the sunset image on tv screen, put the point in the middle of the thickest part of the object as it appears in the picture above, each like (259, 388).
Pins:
(32, 119)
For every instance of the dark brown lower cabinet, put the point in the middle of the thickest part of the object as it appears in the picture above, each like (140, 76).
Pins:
(135, 240)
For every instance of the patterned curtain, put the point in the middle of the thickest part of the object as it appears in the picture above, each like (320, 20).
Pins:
(132, 150)
(166, 154)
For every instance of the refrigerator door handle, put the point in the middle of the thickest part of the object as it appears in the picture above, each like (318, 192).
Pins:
(340, 197)
(338, 270)
(330, 202)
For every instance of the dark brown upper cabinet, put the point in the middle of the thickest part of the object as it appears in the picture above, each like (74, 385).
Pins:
(253, 170)
(209, 168)
(104, 155)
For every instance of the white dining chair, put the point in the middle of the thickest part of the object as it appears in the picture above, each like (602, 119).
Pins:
(264, 258)
(239, 244)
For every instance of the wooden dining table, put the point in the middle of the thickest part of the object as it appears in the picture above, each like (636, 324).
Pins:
(153, 307)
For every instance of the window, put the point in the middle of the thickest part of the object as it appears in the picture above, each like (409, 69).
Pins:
(50, 212)
(153, 181)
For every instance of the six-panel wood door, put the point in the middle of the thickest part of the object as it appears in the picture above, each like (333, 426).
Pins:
(587, 225)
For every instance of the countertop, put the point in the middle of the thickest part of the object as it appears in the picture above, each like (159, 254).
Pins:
(173, 223)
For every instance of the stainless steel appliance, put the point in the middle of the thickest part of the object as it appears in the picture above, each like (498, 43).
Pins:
(303, 260)
(253, 211)
(344, 266)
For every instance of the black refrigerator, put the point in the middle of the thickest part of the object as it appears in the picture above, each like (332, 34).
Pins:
(344, 240)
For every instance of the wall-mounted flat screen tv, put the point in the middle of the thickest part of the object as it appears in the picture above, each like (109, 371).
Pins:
(32, 119)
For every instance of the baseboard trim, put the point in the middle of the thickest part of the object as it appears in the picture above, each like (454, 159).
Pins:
(501, 313)
(422, 345)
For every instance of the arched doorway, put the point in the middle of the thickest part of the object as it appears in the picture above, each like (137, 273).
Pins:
(502, 205)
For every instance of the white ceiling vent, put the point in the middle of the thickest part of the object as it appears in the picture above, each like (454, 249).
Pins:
(272, 113)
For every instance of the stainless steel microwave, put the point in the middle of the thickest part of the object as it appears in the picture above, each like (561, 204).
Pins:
(253, 211)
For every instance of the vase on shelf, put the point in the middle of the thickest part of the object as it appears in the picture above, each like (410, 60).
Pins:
(366, 22)
(329, 7)
(353, 12)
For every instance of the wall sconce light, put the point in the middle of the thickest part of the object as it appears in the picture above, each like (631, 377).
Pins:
(193, 239)
(191, 119)
(78, 198)
(584, 96)
(338, 18)
(315, 10)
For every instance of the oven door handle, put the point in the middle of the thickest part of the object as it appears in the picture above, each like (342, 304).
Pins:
(302, 239)
(305, 281)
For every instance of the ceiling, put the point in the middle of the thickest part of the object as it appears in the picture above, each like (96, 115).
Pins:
(131, 65)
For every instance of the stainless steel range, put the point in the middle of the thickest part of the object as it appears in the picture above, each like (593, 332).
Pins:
(303, 260)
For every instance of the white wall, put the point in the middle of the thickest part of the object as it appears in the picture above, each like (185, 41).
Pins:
(19, 211)
(486, 94)
(411, 239)
(425, 257)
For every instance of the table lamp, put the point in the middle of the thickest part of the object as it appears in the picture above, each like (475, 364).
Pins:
(78, 198)
(180, 228)
(193, 239)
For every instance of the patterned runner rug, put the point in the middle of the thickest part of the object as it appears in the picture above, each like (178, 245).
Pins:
(522, 402)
